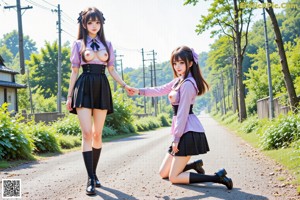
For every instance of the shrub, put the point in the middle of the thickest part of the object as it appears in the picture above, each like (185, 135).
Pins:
(147, 123)
(108, 131)
(43, 137)
(282, 132)
(68, 125)
(68, 141)
(164, 118)
(13, 142)
(250, 125)
(121, 119)
(230, 117)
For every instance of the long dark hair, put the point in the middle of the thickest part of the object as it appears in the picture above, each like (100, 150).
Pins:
(90, 13)
(185, 53)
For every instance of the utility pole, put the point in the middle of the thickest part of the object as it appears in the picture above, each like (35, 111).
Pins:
(116, 67)
(20, 31)
(121, 64)
(271, 106)
(30, 94)
(58, 23)
(144, 79)
(154, 70)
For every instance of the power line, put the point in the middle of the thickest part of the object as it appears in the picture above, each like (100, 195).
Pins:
(68, 17)
(70, 26)
(126, 49)
(49, 3)
(38, 5)
(69, 34)
(4, 2)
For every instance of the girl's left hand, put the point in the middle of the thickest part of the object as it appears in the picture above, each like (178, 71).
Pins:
(174, 148)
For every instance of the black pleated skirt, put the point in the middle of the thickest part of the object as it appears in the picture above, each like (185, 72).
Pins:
(191, 143)
(92, 89)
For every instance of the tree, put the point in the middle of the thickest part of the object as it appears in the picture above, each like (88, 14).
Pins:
(6, 54)
(11, 41)
(291, 23)
(294, 101)
(232, 20)
(43, 70)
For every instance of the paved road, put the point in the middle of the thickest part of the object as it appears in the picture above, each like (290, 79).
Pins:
(128, 169)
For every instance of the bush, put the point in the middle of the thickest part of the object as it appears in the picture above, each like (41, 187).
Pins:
(250, 125)
(108, 131)
(164, 118)
(230, 117)
(68, 141)
(147, 123)
(14, 144)
(68, 125)
(43, 137)
(281, 133)
(121, 119)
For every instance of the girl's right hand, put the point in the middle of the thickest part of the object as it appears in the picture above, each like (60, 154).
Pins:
(69, 103)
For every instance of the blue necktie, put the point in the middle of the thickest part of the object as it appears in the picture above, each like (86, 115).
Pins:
(94, 45)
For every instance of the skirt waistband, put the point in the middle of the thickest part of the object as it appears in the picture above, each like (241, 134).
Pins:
(93, 69)
(175, 109)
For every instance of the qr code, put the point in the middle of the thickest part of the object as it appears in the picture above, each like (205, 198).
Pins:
(11, 188)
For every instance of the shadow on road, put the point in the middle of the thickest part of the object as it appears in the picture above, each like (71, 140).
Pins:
(26, 164)
(113, 194)
(210, 190)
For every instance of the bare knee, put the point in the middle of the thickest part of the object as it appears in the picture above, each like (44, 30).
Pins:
(163, 174)
(173, 179)
(97, 136)
(87, 135)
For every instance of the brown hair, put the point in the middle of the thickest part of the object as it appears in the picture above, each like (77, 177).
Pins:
(185, 53)
(90, 13)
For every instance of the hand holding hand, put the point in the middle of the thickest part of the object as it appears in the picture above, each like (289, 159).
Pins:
(131, 91)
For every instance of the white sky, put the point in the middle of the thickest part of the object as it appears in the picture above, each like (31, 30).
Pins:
(159, 25)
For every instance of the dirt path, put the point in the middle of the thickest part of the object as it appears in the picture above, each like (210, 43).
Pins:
(128, 169)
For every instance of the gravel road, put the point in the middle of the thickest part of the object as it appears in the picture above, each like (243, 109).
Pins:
(128, 169)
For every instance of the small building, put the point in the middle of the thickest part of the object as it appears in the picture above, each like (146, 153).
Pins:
(9, 87)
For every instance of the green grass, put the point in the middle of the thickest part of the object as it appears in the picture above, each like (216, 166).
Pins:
(7, 164)
(289, 157)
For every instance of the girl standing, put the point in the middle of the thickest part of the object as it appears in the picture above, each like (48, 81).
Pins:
(188, 133)
(89, 95)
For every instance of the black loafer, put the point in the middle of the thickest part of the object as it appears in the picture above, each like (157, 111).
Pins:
(90, 187)
(198, 167)
(97, 182)
(223, 179)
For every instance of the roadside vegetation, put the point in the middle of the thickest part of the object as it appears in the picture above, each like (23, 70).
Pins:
(279, 138)
(22, 141)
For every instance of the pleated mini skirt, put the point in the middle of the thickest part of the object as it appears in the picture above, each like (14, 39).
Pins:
(191, 143)
(92, 89)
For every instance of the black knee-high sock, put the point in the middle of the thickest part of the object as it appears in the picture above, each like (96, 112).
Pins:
(189, 166)
(200, 178)
(88, 161)
(96, 156)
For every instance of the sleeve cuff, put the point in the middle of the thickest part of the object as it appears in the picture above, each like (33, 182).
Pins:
(142, 91)
(176, 139)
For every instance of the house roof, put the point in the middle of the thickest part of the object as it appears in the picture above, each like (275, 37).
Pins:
(3, 68)
(7, 70)
(12, 84)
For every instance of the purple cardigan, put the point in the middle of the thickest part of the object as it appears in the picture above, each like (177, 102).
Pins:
(76, 59)
(186, 96)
